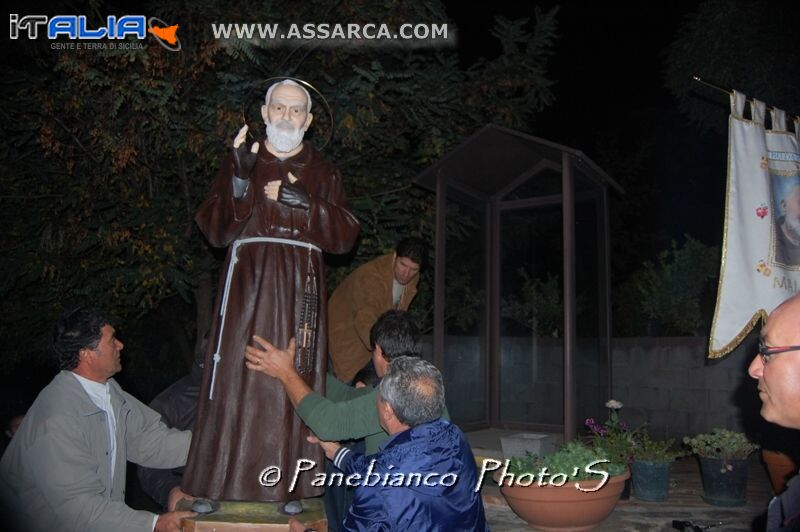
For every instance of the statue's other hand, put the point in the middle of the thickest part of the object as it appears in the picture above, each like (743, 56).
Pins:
(294, 195)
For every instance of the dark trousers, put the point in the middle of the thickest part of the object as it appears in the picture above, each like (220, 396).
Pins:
(338, 498)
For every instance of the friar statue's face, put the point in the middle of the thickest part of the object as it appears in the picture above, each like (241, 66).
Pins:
(286, 116)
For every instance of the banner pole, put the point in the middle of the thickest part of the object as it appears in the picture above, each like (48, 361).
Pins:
(727, 91)
(712, 85)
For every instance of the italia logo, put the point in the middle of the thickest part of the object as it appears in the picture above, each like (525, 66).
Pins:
(77, 28)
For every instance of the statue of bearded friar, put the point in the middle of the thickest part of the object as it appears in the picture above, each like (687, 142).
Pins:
(276, 204)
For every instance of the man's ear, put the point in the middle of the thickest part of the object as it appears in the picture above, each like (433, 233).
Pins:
(387, 412)
(265, 113)
(85, 356)
(309, 119)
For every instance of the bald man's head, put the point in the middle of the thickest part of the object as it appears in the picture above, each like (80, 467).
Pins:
(779, 375)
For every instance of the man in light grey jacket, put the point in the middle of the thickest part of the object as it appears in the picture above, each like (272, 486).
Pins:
(65, 467)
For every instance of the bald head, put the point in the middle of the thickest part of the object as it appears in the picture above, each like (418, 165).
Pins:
(783, 325)
(779, 378)
(414, 390)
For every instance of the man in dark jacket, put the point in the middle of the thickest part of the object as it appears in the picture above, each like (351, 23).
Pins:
(424, 476)
(177, 405)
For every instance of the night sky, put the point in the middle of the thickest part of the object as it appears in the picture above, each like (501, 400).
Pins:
(608, 65)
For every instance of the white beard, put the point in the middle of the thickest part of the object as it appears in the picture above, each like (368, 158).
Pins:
(283, 136)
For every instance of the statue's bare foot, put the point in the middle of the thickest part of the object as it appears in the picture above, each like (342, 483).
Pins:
(204, 506)
(292, 508)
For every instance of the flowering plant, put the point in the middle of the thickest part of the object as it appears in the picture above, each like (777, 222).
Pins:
(614, 437)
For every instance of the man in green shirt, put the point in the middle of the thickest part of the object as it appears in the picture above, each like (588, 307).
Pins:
(345, 413)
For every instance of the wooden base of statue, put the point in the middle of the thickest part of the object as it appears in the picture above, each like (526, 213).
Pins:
(248, 516)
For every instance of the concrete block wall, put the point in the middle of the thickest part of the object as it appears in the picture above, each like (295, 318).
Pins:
(666, 383)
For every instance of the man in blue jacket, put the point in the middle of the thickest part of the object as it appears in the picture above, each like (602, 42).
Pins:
(424, 477)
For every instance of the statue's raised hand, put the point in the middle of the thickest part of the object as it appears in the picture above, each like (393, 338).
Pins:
(244, 159)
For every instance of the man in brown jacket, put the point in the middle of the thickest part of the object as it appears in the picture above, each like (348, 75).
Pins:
(385, 283)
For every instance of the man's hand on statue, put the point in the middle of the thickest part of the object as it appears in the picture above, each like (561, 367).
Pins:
(175, 496)
(171, 521)
(297, 526)
(294, 195)
(244, 159)
(270, 360)
(330, 447)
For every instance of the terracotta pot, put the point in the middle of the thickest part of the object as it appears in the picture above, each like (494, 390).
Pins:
(564, 507)
(781, 468)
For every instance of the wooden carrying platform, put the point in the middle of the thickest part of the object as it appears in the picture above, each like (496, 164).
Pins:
(251, 516)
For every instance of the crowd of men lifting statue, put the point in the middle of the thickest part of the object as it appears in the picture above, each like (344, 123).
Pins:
(276, 204)
(263, 398)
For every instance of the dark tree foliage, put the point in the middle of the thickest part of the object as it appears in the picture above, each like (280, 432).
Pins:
(746, 46)
(107, 153)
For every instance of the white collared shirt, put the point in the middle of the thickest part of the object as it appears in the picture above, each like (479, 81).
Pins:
(397, 292)
(100, 394)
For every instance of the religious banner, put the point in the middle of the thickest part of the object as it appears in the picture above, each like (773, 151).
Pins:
(761, 248)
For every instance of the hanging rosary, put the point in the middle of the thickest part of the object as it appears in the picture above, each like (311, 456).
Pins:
(307, 329)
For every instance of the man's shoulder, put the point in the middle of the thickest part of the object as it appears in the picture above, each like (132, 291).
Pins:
(56, 412)
(115, 387)
(434, 434)
(430, 446)
(378, 265)
(438, 427)
(339, 392)
(64, 394)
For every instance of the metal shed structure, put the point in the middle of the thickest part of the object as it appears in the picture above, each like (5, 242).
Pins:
(499, 192)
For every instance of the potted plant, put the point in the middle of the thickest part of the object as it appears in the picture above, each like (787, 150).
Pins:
(650, 468)
(573, 489)
(723, 465)
(614, 438)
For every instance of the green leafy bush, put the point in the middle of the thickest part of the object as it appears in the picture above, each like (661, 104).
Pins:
(571, 460)
(721, 443)
(647, 449)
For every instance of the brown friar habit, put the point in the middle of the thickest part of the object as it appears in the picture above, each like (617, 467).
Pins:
(250, 424)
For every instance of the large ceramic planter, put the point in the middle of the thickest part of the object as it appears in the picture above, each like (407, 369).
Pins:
(724, 481)
(780, 467)
(650, 480)
(564, 507)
